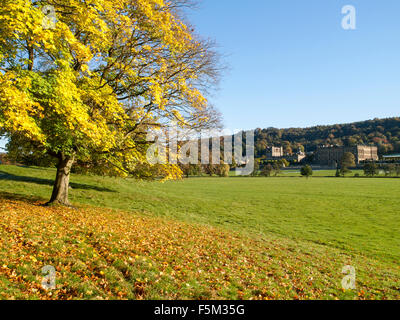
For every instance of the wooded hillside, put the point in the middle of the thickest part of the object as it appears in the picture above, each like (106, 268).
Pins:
(385, 133)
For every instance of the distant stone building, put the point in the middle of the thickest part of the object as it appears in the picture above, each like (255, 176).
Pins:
(274, 152)
(330, 155)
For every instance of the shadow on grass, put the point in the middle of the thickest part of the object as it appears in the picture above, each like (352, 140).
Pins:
(19, 197)
(11, 177)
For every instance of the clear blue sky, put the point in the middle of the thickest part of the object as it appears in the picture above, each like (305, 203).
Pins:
(292, 64)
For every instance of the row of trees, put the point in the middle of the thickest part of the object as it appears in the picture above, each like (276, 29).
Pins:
(221, 170)
(373, 169)
(269, 168)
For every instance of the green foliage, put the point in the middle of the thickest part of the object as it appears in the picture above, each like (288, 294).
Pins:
(277, 168)
(306, 171)
(191, 170)
(348, 160)
(389, 169)
(256, 171)
(20, 151)
(371, 169)
(267, 170)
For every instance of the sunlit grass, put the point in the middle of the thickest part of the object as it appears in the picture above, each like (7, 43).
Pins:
(303, 227)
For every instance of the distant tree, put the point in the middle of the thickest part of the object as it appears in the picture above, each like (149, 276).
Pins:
(277, 168)
(371, 169)
(348, 160)
(190, 169)
(19, 151)
(209, 169)
(389, 169)
(398, 170)
(256, 170)
(306, 171)
(222, 170)
(266, 170)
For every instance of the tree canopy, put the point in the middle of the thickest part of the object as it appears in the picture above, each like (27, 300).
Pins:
(306, 171)
(348, 160)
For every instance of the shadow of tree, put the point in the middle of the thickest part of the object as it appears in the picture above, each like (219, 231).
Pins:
(19, 197)
(11, 177)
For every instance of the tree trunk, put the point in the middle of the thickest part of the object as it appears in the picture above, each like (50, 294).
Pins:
(61, 184)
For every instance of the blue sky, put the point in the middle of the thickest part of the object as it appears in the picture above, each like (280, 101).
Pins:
(292, 65)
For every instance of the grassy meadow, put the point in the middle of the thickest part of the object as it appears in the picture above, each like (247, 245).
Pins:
(240, 238)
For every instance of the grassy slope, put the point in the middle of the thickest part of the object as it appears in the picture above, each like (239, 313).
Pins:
(278, 221)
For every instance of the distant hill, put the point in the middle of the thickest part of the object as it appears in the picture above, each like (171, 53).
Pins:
(384, 133)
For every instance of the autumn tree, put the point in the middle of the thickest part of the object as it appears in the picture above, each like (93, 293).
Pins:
(90, 84)
(223, 170)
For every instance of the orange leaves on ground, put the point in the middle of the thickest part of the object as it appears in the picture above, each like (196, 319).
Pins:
(105, 254)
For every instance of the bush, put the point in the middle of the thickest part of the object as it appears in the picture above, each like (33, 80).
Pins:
(306, 171)
(266, 171)
(371, 169)
(223, 170)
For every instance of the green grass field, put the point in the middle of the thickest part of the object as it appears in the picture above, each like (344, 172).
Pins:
(356, 217)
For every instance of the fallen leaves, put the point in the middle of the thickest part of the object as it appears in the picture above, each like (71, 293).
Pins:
(105, 254)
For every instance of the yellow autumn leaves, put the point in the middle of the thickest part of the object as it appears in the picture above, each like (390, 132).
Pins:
(21, 109)
(101, 78)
